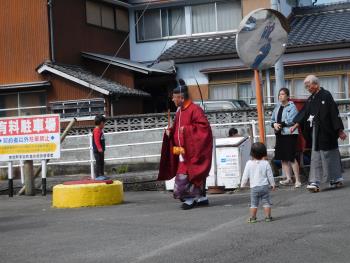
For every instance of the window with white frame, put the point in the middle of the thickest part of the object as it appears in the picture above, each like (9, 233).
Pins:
(335, 84)
(216, 17)
(203, 18)
(242, 91)
(149, 26)
(160, 23)
(247, 93)
(213, 17)
(229, 15)
(223, 91)
(173, 22)
(22, 103)
(107, 16)
(78, 108)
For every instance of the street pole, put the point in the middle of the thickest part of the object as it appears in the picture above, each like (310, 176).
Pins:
(259, 106)
(269, 95)
(10, 179)
(29, 178)
(279, 74)
(279, 70)
(43, 177)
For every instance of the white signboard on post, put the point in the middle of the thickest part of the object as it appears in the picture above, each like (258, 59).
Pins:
(30, 137)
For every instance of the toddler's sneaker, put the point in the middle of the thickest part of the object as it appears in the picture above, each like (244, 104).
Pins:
(252, 220)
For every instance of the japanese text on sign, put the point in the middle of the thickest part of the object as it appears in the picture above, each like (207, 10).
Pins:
(30, 137)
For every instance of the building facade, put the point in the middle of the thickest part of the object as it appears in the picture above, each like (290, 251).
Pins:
(200, 37)
(24, 44)
(85, 57)
(56, 57)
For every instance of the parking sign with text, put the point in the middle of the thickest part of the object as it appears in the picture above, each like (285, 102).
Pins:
(30, 137)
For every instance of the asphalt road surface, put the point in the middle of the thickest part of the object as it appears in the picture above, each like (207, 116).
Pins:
(150, 227)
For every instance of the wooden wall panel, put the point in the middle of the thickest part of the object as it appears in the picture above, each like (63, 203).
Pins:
(24, 40)
(63, 89)
(128, 105)
(119, 75)
(73, 34)
(194, 92)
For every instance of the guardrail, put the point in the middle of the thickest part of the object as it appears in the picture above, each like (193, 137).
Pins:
(159, 120)
(251, 124)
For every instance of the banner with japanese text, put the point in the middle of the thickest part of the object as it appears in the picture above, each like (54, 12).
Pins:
(30, 137)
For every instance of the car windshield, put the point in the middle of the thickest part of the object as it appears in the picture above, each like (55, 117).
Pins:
(242, 103)
(219, 106)
(236, 103)
(222, 105)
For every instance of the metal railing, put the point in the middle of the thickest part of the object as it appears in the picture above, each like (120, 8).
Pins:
(159, 120)
(251, 124)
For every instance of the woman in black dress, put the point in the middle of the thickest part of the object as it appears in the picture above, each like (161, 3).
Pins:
(286, 141)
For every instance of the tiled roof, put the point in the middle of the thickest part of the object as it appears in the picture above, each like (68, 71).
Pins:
(194, 47)
(310, 27)
(86, 78)
(329, 24)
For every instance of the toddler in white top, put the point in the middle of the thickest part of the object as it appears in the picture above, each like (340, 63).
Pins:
(259, 173)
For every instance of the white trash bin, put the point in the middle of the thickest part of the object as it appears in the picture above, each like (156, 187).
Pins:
(231, 156)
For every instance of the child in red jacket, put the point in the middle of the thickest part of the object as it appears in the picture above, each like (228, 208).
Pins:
(99, 147)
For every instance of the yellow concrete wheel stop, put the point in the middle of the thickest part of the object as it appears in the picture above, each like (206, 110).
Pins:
(84, 195)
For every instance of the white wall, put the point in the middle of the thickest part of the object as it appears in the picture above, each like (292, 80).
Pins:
(286, 6)
(191, 71)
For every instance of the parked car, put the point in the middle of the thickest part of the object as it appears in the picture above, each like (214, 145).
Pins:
(211, 105)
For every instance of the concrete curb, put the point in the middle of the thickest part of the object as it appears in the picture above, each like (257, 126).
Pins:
(136, 181)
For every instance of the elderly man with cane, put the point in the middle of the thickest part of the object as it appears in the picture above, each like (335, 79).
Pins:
(321, 126)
